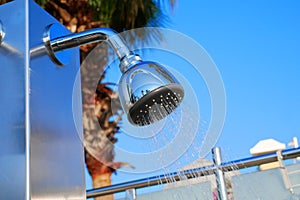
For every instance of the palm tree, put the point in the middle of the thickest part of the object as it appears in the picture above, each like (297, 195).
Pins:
(120, 15)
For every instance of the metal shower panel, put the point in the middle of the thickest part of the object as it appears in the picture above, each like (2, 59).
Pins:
(41, 151)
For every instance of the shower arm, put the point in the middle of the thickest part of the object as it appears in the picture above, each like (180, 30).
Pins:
(127, 58)
(157, 81)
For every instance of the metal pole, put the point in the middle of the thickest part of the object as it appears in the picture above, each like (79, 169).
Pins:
(220, 178)
(284, 173)
(130, 194)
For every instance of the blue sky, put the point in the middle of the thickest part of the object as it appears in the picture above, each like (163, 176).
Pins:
(256, 47)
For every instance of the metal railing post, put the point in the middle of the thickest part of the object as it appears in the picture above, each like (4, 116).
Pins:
(130, 194)
(220, 177)
(284, 172)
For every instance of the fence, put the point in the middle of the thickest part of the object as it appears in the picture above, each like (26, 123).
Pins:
(286, 174)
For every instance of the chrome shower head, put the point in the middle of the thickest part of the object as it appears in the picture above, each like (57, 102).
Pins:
(148, 93)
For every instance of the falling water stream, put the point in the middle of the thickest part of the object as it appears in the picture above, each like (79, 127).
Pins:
(176, 140)
(177, 116)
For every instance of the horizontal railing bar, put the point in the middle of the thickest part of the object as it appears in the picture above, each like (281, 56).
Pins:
(196, 172)
(150, 181)
(261, 159)
(294, 172)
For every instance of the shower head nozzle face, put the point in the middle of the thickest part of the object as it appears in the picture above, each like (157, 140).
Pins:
(149, 93)
(156, 104)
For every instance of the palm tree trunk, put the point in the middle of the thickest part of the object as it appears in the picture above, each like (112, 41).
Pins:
(102, 180)
(100, 173)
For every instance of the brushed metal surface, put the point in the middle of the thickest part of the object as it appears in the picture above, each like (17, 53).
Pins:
(12, 103)
(56, 162)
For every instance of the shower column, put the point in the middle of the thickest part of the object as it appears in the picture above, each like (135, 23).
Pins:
(41, 149)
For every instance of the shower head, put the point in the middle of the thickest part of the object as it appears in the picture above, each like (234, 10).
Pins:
(148, 92)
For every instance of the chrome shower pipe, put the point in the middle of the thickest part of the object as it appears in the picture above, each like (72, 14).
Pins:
(127, 58)
(143, 83)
